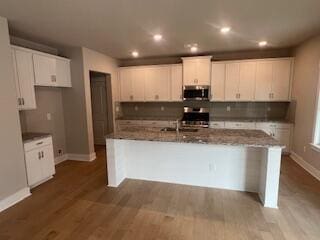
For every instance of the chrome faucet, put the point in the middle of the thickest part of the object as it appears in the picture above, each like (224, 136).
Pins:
(177, 125)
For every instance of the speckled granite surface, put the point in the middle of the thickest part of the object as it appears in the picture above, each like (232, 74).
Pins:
(232, 137)
(32, 136)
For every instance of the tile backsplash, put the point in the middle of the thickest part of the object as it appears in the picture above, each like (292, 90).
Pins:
(268, 110)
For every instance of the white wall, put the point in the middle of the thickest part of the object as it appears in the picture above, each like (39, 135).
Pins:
(306, 77)
(77, 100)
(95, 61)
(12, 165)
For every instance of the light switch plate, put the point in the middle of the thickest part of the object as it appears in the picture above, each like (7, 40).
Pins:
(228, 108)
(49, 116)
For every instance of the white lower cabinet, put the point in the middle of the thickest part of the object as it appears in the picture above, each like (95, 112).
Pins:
(216, 124)
(240, 125)
(280, 131)
(39, 161)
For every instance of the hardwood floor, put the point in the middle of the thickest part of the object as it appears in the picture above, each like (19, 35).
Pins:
(76, 204)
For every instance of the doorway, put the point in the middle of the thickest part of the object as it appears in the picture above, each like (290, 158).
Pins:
(101, 103)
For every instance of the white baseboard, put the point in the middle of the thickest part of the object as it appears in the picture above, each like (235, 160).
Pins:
(60, 159)
(14, 198)
(82, 157)
(305, 165)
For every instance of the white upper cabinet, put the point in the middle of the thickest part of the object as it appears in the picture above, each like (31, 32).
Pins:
(196, 70)
(240, 81)
(232, 81)
(24, 79)
(132, 82)
(263, 81)
(218, 74)
(63, 73)
(125, 84)
(44, 70)
(157, 83)
(51, 71)
(273, 80)
(247, 81)
(281, 79)
(176, 83)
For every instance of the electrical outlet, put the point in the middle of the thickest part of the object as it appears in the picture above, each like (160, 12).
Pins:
(228, 108)
(269, 109)
(136, 108)
(117, 109)
(48, 116)
(60, 152)
(162, 108)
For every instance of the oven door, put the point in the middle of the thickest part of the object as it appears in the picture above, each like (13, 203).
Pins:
(196, 93)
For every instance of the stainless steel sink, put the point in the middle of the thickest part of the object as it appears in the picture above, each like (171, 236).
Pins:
(170, 129)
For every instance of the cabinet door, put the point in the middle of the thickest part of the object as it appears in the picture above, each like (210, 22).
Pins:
(232, 81)
(203, 71)
(63, 73)
(189, 73)
(247, 81)
(218, 74)
(16, 79)
(44, 70)
(126, 84)
(47, 161)
(263, 81)
(176, 83)
(24, 67)
(33, 165)
(281, 80)
(283, 136)
(157, 83)
(137, 84)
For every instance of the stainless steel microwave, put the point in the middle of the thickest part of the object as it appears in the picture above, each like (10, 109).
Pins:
(196, 93)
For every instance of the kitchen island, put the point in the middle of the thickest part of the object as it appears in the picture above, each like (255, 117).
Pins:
(244, 160)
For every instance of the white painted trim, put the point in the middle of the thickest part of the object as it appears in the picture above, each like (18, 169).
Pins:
(82, 157)
(316, 125)
(14, 198)
(305, 165)
(315, 147)
(60, 159)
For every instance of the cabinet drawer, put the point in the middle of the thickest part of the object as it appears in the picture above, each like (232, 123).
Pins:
(267, 125)
(37, 143)
(217, 125)
(155, 123)
(240, 125)
(129, 122)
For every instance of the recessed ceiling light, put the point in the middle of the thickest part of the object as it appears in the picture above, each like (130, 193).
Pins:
(263, 43)
(194, 49)
(225, 29)
(135, 54)
(157, 37)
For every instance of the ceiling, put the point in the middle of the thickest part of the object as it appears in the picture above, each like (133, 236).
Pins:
(117, 27)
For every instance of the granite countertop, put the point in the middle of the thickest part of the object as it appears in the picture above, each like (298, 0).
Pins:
(231, 137)
(32, 136)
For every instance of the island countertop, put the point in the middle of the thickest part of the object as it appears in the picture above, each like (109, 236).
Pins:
(232, 137)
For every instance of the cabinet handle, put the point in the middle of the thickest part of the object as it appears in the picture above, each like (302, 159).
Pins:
(19, 101)
(42, 154)
(39, 155)
(22, 101)
(39, 143)
(53, 78)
